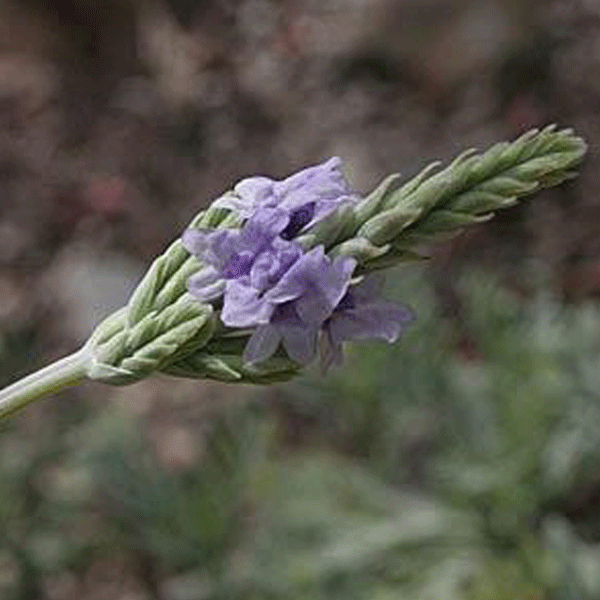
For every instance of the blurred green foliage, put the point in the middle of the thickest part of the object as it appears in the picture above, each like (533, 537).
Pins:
(462, 463)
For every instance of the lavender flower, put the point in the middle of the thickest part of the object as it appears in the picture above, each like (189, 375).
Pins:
(267, 281)
(327, 307)
(253, 253)
(360, 315)
(299, 304)
(306, 197)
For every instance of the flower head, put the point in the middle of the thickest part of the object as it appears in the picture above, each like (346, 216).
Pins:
(299, 304)
(268, 282)
(306, 197)
(301, 291)
(255, 251)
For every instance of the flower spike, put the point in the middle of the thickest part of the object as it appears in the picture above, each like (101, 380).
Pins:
(274, 270)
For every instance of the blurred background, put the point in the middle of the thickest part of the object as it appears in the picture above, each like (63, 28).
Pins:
(462, 463)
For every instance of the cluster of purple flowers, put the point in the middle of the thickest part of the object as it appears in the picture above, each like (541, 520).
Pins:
(268, 282)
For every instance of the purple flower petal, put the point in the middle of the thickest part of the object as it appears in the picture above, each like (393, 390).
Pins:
(299, 219)
(286, 314)
(360, 315)
(248, 195)
(209, 292)
(212, 247)
(305, 296)
(205, 276)
(254, 192)
(300, 343)
(243, 307)
(262, 344)
(239, 265)
(316, 282)
(196, 242)
(331, 353)
(270, 265)
(268, 282)
(263, 270)
(206, 284)
(378, 320)
(306, 197)
(323, 188)
(231, 253)
(325, 177)
(262, 228)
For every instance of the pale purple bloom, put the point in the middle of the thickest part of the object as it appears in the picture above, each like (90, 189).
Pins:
(231, 251)
(360, 315)
(306, 197)
(299, 339)
(305, 296)
(244, 305)
(254, 252)
(270, 265)
(316, 284)
(269, 283)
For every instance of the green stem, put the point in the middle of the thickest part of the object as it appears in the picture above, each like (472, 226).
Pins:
(63, 373)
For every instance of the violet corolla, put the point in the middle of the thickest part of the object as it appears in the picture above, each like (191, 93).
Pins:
(362, 315)
(302, 300)
(254, 252)
(269, 283)
(306, 197)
